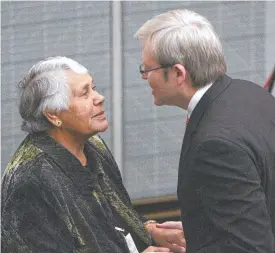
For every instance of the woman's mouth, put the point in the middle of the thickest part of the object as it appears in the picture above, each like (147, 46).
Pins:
(100, 115)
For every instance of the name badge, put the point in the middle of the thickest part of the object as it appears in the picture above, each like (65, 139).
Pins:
(131, 244)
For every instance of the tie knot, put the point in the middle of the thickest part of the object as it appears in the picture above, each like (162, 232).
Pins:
(187, 121)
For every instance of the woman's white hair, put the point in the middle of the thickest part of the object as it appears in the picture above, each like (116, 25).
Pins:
(45, 87)
(185, 37)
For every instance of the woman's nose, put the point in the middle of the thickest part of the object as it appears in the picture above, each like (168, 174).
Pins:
(99, 99)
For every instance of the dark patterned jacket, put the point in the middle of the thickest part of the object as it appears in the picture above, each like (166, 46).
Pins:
(51, 203)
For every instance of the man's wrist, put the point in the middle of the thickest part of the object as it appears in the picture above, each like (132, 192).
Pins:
(149, 222)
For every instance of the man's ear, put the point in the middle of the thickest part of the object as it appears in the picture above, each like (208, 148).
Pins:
(181, 74)
(53, 118)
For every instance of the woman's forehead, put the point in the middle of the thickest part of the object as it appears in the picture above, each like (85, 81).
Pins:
(77, 80)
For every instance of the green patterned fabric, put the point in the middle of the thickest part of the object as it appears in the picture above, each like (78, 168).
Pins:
(24, 153)
(51, 203)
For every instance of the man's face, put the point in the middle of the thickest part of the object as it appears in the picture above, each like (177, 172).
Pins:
(85, 115)
(162, 88)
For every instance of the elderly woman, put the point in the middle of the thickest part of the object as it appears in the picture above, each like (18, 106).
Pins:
(62, 191)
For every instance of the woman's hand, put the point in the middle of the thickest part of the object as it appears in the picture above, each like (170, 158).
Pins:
(156, 249)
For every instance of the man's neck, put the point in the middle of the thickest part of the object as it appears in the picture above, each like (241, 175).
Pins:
(184, 98)
(196, 98)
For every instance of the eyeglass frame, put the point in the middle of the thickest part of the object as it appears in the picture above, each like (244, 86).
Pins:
(149, 70)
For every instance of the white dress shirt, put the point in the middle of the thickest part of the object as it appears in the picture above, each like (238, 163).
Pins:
(196, 98)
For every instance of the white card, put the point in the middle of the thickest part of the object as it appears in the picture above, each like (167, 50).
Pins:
(131, 244)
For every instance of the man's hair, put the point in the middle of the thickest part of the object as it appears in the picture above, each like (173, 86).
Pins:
(185, 37)
(45, 87)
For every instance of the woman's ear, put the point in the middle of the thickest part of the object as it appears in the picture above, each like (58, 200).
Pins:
(53, 118)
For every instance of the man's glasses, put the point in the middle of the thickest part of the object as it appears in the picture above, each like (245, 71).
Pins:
(143, 71)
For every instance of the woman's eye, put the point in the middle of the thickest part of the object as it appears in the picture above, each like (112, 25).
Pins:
(85, 93)
(94, 88)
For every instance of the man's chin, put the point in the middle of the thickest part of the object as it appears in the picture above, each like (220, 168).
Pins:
(158, 103)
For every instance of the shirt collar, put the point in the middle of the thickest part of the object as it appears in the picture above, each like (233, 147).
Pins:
(196, 98)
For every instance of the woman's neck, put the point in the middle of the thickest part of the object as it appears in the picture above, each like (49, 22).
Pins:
(73, 142)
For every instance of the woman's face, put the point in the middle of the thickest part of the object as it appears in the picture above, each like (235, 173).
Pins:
(85, 115)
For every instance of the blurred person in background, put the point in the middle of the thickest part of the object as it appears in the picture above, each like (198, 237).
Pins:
(226, 178)
(62, 190)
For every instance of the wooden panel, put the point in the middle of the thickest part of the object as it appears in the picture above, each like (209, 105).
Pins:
(160, 209)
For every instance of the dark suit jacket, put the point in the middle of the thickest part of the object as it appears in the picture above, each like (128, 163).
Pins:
(226, 181)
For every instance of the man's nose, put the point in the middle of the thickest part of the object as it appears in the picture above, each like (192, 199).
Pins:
(144, 76)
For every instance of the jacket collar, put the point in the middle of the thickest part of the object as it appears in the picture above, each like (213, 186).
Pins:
(196, 98)
(208, 98)
(84, 178)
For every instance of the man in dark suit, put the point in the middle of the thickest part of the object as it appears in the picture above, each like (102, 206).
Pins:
(226, 180)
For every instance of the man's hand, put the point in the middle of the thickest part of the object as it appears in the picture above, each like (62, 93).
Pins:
(171, 225)
(156, 249)
(168, 234)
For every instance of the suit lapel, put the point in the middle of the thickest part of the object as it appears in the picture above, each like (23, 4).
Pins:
(208, 98)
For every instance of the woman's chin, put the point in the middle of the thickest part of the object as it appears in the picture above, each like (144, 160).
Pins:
(102, 127)
(105, 127)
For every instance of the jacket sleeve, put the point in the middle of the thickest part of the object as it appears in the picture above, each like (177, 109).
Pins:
(232, 198)
(30, 223)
